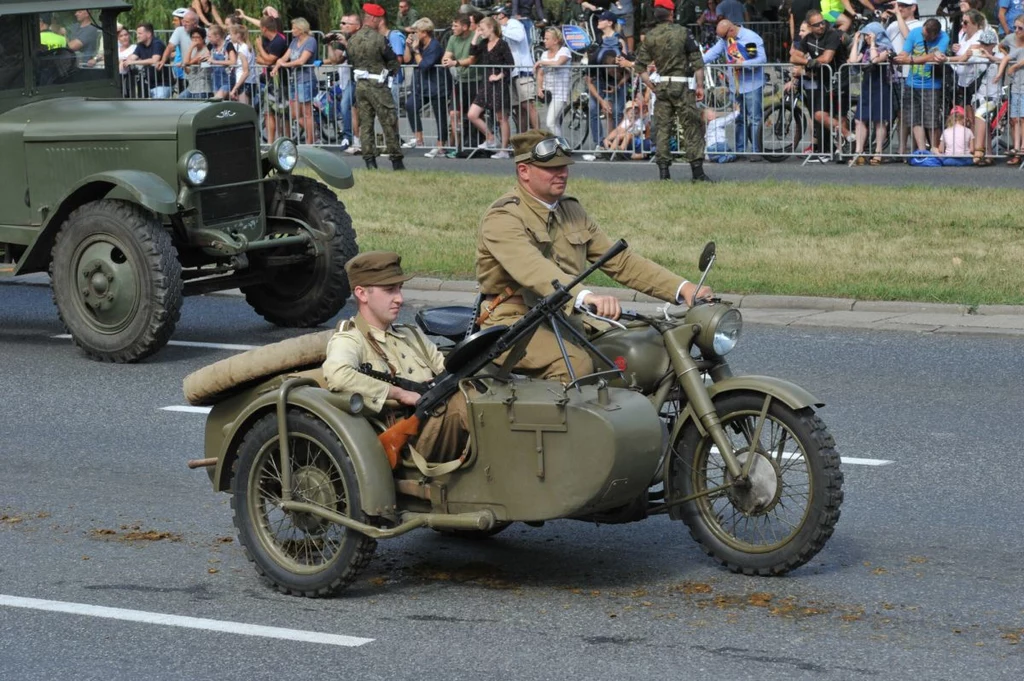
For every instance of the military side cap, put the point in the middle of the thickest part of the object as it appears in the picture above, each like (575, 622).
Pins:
(376, 268)
(373, 10)
(527, 148)
(667, 4)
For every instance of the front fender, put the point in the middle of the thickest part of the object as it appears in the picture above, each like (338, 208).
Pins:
(788, 392)
(144, 188)
(141, 187)
(229, 421)
(331, 169)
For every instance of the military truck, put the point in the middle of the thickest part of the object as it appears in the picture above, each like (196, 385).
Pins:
(132, 204)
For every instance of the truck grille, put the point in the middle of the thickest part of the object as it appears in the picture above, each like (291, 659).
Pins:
(233, 156)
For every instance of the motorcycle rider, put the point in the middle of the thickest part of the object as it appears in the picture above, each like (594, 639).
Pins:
(372, 337)
(535, 234)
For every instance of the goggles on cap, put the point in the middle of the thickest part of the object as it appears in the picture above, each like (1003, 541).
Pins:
(545, 150)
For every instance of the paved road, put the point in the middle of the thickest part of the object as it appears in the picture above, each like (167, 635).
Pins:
(921, 579)
(890, 174)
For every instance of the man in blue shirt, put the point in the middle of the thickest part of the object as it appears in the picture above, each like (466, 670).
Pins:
(1008, 11)
(731, 10)
(742, 48)
(924, 50)
(396, 39)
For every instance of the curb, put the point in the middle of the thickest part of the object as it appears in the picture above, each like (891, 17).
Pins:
(807, 304)
(758, 302)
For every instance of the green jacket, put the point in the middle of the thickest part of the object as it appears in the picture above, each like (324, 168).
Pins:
(672, 49)
(370, 51)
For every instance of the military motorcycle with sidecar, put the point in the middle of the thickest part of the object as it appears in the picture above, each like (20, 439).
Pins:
(661, 427)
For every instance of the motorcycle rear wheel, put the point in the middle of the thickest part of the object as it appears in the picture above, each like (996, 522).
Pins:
(792, 507)
(299, 553)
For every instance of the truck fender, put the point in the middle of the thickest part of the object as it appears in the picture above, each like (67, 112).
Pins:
(331, 169)
(144, 188)
(230, 420)
(787, 392)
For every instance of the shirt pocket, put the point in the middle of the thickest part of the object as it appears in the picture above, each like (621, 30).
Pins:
(540, 236)
(579, 241)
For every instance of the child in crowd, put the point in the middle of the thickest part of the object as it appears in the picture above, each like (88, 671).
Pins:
(716, 142)
(220, 60)
(957, 139)
(633, 124)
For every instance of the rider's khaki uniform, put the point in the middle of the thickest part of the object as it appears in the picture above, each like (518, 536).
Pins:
(442, 437)
(522, 245)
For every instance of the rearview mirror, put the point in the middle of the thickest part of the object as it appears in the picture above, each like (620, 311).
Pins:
(706, 256)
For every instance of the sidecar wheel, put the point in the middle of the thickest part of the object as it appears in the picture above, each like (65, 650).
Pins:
(792, 506)
(299, 553)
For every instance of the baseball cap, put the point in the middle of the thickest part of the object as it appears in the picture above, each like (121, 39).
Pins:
(502, 9)
(606, 16)
(908, 3)
(180, 12)
(987, 36)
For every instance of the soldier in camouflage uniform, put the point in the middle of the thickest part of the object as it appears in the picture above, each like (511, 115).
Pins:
(372, 59)
(678, 59)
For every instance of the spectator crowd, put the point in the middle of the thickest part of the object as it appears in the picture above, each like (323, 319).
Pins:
(867, 79)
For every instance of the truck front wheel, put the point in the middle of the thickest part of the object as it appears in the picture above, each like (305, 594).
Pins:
(310, 293)
(116, 281)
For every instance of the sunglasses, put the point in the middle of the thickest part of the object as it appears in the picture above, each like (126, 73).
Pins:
(817, 24)
(545, 150)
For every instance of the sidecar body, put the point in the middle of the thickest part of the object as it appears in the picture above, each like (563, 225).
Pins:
(538, 450)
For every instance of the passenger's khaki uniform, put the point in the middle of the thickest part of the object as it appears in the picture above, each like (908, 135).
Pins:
(443, 436)
(522, 245)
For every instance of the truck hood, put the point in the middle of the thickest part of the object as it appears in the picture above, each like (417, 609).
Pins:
(83, 119)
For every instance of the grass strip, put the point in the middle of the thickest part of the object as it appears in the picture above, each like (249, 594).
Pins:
(950, 245)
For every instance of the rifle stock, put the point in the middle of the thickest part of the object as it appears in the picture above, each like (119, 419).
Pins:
(395, 437)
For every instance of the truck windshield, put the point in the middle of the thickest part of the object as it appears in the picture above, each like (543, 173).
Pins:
(70, 48)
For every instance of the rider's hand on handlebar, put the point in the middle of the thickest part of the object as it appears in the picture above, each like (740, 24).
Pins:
(689, 289)
(603, 306)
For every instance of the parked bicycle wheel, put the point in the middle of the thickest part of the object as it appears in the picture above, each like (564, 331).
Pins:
(782, 130)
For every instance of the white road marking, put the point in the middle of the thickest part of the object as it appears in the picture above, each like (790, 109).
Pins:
(181, 621)
(192, 344)
(852, 460)
(188, 409)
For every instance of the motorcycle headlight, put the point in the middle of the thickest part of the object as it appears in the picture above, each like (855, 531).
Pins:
(193, 168)
(727, 332)
(284, 155)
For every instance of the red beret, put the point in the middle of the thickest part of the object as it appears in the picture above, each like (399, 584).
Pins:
(373, 10)
(667, 4)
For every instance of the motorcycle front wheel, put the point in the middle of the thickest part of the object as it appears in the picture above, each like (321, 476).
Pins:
(789, 510)
(299, 553)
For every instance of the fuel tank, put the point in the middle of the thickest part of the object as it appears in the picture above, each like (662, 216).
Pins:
(541, 452)
(639, 350)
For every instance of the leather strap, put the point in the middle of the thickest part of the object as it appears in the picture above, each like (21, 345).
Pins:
(487, 310)
(364, 329)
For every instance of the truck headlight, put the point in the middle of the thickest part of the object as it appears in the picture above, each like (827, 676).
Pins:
(284, 155)
(193, 168)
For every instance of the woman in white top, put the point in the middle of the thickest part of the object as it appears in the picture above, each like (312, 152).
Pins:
(246, 73)
(125, 48)
(553, 75)
(967, 74)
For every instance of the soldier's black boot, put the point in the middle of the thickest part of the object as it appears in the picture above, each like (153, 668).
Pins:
(663, 173)
(697, 168)
(371, 163)
(396, 164)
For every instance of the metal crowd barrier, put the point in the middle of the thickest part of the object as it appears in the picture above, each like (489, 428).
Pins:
(841, 115)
